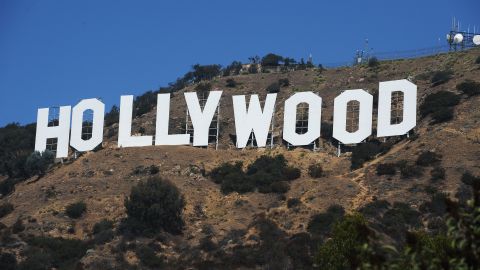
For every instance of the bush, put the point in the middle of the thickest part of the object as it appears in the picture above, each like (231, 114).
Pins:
(469, 87)
(273, 88)
(409, 170)
(38, 163)
(386, 169)
(320, 224)
(102, 225)
(439, 105)
(48, 252)
(112, 117)
(8, 261)
(266, 173)
(343, 249)
(5, 209)
(444, 114)
(315, 170)
(373, 62)
(232, 69)
(203, 87)
(156, 204)
(143, 103)
(205, 72)
(7, 186)
(477, 61)
(18, 226)
(441, 77)
(148, 257)
(76, 210)
(437, 173)
(253, 69)
(231, 83)
(428, 158)
(366, 151)
(16, 143)
(284, 82)
(271, 60)
(292, 202)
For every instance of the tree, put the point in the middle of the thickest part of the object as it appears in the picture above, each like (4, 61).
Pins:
(232, 69)
(112, 116)
(271, 60)
(38, 163)
(156, 204)
(205, 72)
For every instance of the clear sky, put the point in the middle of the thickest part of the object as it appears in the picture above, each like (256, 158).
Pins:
(59, 52)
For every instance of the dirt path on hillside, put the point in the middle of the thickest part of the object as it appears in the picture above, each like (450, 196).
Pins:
(365, 195)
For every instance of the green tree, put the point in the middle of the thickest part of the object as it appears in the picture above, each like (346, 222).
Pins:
(38, 163)
(156, 204)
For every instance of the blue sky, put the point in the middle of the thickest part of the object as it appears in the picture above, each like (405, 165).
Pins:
(59, 52)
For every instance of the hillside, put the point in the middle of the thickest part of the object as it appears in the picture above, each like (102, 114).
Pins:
(234, 222)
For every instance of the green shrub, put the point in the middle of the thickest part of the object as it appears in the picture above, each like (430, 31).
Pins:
(156, 204)
(292, 202)
(18, 226)
(284, 82)
(439, 105)
(441, 77)
(343, 249)
(428, 158)
(443, 114)
(386, 169)
(292, 173)
(38, 163)
(7, 186)
(320, 224)
(437, 173)
(5, 209)
(266, 174)
(16, 143)
(8, 261)
(231, 83)
(373, 62)
(143, 103)
(273, 88)
(408, 170)
(48, 252)
(113, 116)
(75, 210)
(366, 151)
(477, 61)
(253, 69)
(148, 257)
(232, 69)
(315, 170)
(271, 60)
(102, 225)
(469, 87)
(103, 232)
(398, 219)
(203, 87)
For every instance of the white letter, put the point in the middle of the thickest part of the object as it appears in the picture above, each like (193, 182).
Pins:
(201, 120)
(252, 120)
(161, 130)
(61, 132)
(125, 138)
(98, 109)
(409, 90)
(340, 116)
(314, 118)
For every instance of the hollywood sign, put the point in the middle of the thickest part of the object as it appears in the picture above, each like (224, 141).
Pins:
(248, 119)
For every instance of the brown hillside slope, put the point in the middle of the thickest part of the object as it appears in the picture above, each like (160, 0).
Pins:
(102, 179)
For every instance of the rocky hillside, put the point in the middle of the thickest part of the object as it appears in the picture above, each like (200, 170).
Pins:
(223, 229)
